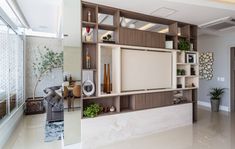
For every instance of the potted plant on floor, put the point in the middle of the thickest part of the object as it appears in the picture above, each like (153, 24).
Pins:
(45, 61)
(215, 97)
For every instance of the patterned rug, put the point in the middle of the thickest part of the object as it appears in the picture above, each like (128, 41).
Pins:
(54, 131)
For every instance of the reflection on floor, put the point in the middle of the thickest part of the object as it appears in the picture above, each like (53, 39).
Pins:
(72, 126)
(212, 131)
(30, 134)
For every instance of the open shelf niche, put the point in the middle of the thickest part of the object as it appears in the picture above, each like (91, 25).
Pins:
(187, 73)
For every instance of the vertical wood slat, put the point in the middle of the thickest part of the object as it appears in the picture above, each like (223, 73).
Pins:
(136, 37)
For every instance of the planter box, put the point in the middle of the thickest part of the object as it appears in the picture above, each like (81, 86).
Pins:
(35, 106)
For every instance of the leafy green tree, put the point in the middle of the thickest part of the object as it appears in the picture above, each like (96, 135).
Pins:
(46, 60)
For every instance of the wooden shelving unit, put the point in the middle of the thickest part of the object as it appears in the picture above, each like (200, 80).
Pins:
(135, 37)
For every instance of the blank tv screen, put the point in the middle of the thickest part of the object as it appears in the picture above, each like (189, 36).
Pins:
(145, 70)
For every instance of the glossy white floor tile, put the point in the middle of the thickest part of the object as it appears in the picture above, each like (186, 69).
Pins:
(30, 134)
(212, 131)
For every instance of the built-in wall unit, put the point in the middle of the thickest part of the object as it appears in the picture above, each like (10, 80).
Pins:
(141, 80)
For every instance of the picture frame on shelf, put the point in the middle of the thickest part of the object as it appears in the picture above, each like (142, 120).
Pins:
(191, 58)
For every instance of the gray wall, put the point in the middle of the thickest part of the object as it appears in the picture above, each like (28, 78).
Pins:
(53, 78)
(219, 44)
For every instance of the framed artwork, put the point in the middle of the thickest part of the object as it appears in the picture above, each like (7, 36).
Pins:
(206, 65)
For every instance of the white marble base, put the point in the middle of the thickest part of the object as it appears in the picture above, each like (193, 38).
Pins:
(105, 130)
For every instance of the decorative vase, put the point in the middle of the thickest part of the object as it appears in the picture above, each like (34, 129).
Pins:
(112, 109)
(89, 16)
(104, 80)
(108, 85)
(88, 60)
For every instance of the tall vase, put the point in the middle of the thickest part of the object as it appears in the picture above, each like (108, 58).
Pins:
(105, 80)
(108, 88)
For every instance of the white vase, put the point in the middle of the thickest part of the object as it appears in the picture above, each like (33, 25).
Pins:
(169, 44)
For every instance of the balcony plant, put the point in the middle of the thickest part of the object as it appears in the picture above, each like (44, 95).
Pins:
(215, 97)
(44, 63)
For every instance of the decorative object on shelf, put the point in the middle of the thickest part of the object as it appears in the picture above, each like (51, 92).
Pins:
(179, 98)
(88, 35)
(108, 85)
(132, 25)
(92, 110)
(183, 45)
(205, 65)
(88, 88)
(169, 44)
(107, 39)
(179, 86)
(181, 72)
(215, 97)
(88, 59)
(123, 22)
(193, 85)
(192, 71)
(178, 72)
(112, 109)
(89, 16)
(191, 47)
(105, 80)
(106, 109)
(191, 58)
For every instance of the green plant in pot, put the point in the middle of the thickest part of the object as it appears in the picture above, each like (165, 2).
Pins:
(183, 45)
(92, 110)
(215, 97)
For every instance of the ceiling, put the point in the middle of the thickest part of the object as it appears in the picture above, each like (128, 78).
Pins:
(42, 15)
(45, 15)
(190, 11)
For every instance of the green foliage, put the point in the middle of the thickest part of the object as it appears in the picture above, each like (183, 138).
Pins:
(216, 93)
(184, 45)
(46, 61)
(92, 110)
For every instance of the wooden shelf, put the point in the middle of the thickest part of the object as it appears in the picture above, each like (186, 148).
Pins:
(88, 24)
(106, 27)
(139, 39)
(92, 43)
(89, 69)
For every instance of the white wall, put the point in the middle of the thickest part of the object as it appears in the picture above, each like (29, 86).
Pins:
(72, 62)
(53, 78)
(220, 45)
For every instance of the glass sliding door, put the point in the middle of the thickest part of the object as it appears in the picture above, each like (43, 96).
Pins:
(4, 68)
(11, 71)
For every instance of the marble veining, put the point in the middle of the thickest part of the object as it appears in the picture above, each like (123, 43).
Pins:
(109, 129)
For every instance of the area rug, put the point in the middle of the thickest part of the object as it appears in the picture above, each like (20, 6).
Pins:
(54, 131)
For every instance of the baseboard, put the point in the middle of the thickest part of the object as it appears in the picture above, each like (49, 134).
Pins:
(208, 105)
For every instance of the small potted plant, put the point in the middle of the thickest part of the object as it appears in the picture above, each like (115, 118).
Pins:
(215, 97)
(183, 45)
(92, 110)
